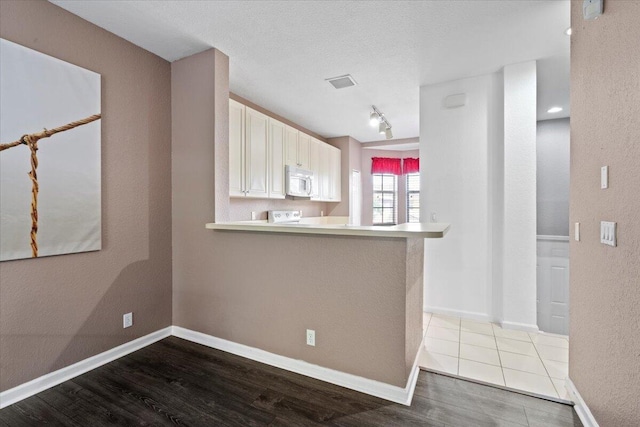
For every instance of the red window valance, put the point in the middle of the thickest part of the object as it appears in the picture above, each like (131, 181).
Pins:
(386, 165)
(411, 165)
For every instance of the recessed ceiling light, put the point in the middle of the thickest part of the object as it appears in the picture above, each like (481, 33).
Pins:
(568, 31)
(554, 110)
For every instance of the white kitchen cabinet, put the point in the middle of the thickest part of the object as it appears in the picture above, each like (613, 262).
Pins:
(314, 166)
(335, 173)
(276, 159)
(248, 152)
(327, 169)
(324, 169)
(259, 149)
(297, 146)
(304, 143)
(256, 153)
(236, 149)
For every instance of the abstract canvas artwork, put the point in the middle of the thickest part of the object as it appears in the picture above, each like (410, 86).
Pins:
(50, 126)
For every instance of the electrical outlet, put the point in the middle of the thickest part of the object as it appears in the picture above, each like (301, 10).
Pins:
(127, 320)
(311, 337)
(253, 216)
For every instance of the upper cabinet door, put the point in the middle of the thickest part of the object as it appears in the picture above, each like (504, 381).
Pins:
(257, 155)
(304, 142)
(314, 166)
(335, 185)
(276, 159)
(291, 146)
(324, 171)
(236, 149)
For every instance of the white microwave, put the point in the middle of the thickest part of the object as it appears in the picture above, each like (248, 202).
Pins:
(298, 182)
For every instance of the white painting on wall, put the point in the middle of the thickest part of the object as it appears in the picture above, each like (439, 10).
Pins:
(50, 199)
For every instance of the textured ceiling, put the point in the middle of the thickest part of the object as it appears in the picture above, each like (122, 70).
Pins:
(281, 52)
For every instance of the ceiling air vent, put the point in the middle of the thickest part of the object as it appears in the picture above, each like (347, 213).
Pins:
(341, 82)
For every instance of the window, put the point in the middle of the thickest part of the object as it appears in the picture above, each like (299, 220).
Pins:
(413, 197)
(385, 192)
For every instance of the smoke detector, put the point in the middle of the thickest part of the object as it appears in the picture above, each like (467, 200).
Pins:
(341, 82)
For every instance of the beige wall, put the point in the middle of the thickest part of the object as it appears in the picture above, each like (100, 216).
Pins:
(367, 183)
(604, 349)
(58, 310)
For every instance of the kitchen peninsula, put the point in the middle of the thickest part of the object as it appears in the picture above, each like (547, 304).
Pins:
(360, 288)
(255, 289)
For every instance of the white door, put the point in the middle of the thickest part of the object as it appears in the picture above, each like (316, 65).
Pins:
(355, 199)
(553, 284)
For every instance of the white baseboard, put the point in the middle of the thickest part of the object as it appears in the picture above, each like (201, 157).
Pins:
(581, 407)
(473, 315)
(482, 317)
(375, 388)
(54, 378)
(519, 326)
(364, 385)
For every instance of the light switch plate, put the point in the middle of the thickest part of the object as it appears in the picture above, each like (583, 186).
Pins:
(576, 231)
(604, 177)
(608, 233)
(591, 9)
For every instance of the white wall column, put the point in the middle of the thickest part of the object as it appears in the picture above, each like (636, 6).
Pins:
(478, 164)
(454, 153)
(519, 229)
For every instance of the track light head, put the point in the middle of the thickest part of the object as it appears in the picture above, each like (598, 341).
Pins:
(388, 134)
(374, 119)
(382, 128)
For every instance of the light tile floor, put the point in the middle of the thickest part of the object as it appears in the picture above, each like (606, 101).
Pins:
(531, 362)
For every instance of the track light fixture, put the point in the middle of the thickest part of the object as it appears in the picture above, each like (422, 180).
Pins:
(377, 118)
(374, 119)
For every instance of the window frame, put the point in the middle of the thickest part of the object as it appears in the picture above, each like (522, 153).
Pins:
(409, 192)
(382, 192)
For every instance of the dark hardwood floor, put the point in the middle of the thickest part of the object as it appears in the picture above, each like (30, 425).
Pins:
(176, 382)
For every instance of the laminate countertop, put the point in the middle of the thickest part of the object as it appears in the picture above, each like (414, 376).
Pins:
(430, 230)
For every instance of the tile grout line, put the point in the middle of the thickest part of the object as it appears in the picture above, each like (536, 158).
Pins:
(504, 378)
(546, 370)
(459, 343)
